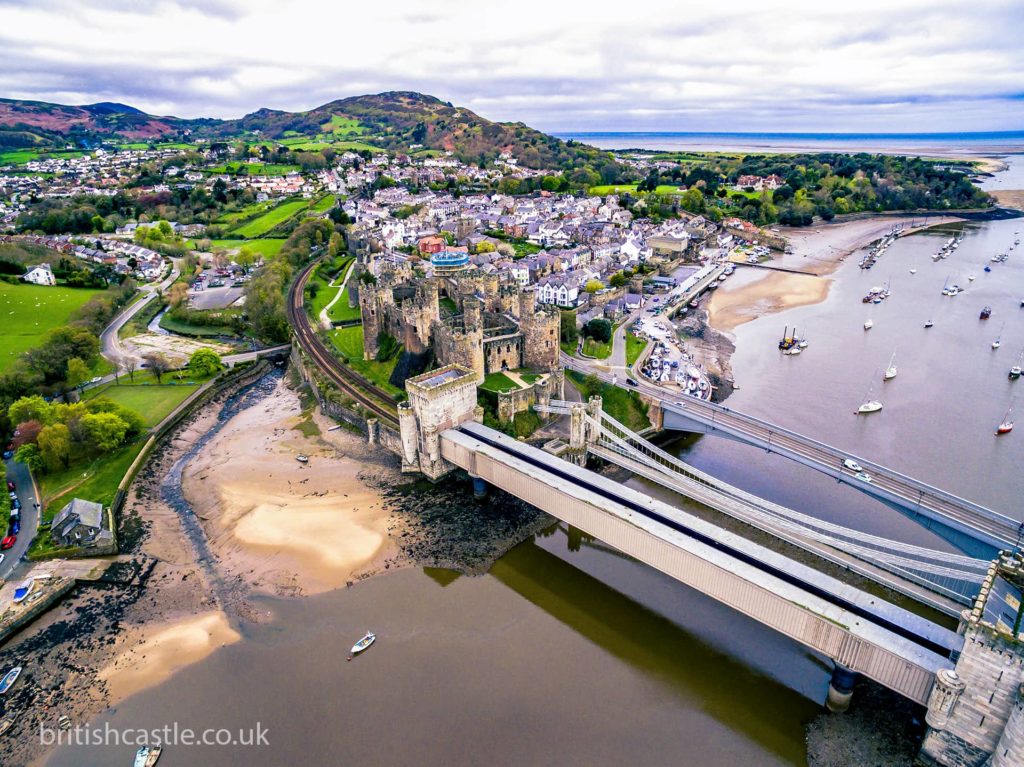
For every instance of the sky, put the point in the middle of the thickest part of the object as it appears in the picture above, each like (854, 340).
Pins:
(558, 65)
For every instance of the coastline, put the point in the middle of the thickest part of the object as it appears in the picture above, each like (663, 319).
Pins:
(818, 250)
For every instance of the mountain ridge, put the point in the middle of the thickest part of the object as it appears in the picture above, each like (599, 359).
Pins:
(392, 120)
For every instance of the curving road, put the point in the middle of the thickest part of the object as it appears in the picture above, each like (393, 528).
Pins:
(18, 474)
(110, 343)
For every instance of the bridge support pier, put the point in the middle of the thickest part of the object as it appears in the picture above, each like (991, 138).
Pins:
(479, 487)
(840, 689)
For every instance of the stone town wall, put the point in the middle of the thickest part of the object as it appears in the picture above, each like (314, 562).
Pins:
(503, 353)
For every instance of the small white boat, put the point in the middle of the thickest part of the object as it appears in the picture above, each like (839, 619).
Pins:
(913, 271)
(147, 756)
(890, 372)
(302, 458)
(868, 324)
(970, 277)
(22, 591)
(793, 350)
(364, 643)
(996, 344)
(928, 324)
(871, 406)
(9, 679)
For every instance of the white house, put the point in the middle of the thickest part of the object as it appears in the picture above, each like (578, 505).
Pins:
(560, 290)
(40, 275)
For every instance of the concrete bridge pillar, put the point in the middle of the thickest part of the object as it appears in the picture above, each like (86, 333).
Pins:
(372, 431)
(479, 487)
(840, 689)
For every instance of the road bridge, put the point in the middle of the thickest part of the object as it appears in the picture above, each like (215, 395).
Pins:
(977, 531)
(860, 632)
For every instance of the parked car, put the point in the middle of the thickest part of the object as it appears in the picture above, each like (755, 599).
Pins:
(10, 486)
(16, 504)
(852, 465)
(8, 454)
(863, 476)
(632, 382)
(8, 542)
(15, 527)
(13, 495)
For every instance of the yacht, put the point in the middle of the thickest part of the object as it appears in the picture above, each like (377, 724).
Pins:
(868, 324)
(890, 372)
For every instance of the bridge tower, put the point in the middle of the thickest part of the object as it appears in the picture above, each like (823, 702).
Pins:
(438, 400)
(975, 713)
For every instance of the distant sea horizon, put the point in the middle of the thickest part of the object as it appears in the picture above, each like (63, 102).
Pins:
(967, 143)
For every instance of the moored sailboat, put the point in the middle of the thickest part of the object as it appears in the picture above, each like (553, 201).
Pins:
(890, 372)
(869, 405)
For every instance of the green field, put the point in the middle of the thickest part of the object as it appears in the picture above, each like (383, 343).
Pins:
(349, 341)
(249, 211)
(22, 156)
(498, 381)
(624, 406)
(172, 325)
(341, 311)
(606, 189)
(152, 401)
(272, 218)
(268, 248)
(634, 347)
(27, 312)
(253, 169)
(339, 124)
(95, 481)
(593, 348)
(324, 204)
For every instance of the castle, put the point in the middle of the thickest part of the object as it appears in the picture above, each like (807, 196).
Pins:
(467, 318)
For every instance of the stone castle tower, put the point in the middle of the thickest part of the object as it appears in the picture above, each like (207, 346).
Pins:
(540, 329)
(410, 319)
(463, 344)
(976, 711)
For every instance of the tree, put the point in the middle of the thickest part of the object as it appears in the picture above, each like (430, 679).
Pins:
(33, 408)
(505, 249)
(593, 286)
(617, 280)
(50, 358)
(568, 331)
(78, 372)
(600, 330)
(55, 446)
(204, 362)
(106, 431)
(177, 295)
(158, 363)
(30, 455)
(130, 364)
(245, 259)
(485, 247)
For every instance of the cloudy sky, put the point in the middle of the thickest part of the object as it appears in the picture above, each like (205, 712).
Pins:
(741, 65)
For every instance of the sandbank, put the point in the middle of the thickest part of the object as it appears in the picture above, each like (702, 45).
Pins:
(286, 527)
(165, 650)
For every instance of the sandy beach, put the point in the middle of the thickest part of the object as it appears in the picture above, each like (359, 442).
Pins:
(1010, 198)
(286, 527)
(162, 651)
(816, 250)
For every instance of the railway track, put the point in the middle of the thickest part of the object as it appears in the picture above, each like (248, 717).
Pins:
(367, 394)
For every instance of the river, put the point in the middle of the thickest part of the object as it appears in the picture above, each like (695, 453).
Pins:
(569, 653)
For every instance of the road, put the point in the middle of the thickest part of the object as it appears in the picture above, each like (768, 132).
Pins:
(885, 482)
(19, 475)
(110, 343)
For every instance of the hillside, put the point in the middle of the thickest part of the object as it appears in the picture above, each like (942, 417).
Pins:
(400, 121)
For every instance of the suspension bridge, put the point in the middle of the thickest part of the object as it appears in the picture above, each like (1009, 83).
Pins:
(946, 581)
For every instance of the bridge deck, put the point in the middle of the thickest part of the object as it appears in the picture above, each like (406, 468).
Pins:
(888, 644)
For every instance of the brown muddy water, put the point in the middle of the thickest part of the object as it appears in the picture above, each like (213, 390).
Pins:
(565, 653)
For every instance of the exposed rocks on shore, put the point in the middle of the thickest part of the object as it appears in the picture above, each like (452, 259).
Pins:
(445, 526)
(881, 729)
(711, 349)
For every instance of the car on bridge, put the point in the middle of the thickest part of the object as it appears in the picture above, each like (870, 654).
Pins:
(863, 476)
(852, 465)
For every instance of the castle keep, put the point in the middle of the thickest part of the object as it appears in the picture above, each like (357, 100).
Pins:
(493, 327)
